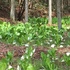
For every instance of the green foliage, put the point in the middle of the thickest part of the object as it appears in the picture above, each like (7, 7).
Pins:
(52, 53)
(67, 59)
(38, 20)
(9, 57)
(21, 34)
(48, 60)
(34, 33)
(25, 62)
(66, 20)
(5, 62)
(30, 67)
(3, 65)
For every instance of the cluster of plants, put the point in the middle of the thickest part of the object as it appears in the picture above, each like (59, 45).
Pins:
(44, 20)
(49, 61)
(38, 20)
(32, 34)
(66, 20)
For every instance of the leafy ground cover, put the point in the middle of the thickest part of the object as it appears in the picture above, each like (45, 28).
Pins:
(44, 20)
(40, 58)
(34, 34)
(53, 53)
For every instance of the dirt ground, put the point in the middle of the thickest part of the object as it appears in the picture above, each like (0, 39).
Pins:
(18, 51)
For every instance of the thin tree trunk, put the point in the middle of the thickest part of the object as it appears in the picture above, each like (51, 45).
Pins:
(12, 11)
(19, 2)
(59, 14)
(26, 10)
(62, 8)
(21, 9)
(50, 12)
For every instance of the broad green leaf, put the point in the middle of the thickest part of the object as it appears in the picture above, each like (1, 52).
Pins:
(3, 65)
(30, 67)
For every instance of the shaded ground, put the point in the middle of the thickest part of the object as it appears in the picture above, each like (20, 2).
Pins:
(37, 12)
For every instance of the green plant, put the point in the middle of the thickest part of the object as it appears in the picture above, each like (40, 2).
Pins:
(25, 61)
(5, 62)
(39, 33)
(48, 60)
(38, 20)
(37, 63)
(66, 58)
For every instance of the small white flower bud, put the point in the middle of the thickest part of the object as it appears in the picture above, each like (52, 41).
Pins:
(9, 67)
(26, 45)
(62, 61)
(18, 67)
(50, 40)
(31, 54)
(68, 53)
(61, 46)
(53, 45)
(22, 57)
(33, 50)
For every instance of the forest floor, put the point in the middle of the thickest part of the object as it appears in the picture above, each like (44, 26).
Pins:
(19, 51)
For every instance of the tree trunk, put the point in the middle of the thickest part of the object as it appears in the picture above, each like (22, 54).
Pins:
(59, 14)
(50, 12)
(62, 7)
(21, 9)
(19, 2)
(26, 10)
(12, 11)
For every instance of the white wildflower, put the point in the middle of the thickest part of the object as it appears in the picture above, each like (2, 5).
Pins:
(27, 57)
(29, 38)
(53, 45)
(18, 67)
(68, 27)
(14, 42)
(27, 45)
(68, 53)
(50, 40)
(22, 57)
(61, 46)
(48, 43)
(33, 50)
(56, 58)
(17, 33)
(62, 60)
(26, 50)
(0, 37)
(9, 67)
(52, 58)
(31, 54)
(62, 42)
